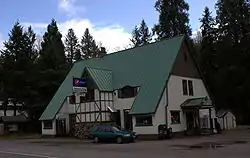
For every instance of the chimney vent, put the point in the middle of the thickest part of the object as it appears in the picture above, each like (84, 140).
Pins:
(102, 52)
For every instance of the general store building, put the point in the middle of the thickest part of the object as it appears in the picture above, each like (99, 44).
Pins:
(139, 89)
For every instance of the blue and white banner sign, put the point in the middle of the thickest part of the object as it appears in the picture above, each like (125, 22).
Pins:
(79, 85)
(79, 82)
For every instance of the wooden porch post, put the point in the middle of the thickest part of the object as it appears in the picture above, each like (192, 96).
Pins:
(199, 123)
(211, 120)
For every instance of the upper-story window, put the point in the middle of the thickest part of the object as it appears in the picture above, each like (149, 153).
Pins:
(184, 87)
(127, 92)
(89, 96)
(187, 86)
(190, 88)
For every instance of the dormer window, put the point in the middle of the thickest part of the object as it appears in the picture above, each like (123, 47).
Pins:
(127, 92)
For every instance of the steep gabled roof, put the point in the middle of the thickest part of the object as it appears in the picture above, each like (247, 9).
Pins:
(102, 78)
(148, 67)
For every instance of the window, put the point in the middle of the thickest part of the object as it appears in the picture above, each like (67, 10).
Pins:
(72, 99)
(187, 86)
(184, 87)
(144, 121)
(90, 96)
(127, 92)
(175, 117)
(47, 125)
(190, 88)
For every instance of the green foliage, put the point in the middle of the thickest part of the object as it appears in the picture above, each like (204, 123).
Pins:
(233, 19)
(225, 55)
(173, 18)
(141, 35)
(72, 47)
(31, 73)
(51, 69)
(136, 37)
(17, 63)
(52, 54)
(89, 48)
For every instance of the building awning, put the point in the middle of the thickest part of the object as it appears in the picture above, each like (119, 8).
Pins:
(14, 119)
(200, 103)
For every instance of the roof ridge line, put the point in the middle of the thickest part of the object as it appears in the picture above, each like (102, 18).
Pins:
(144, 45)
(98, 68)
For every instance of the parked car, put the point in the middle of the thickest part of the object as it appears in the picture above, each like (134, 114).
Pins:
(111, 133)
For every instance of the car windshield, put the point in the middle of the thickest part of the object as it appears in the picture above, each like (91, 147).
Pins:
(116, 129)
(119, 127)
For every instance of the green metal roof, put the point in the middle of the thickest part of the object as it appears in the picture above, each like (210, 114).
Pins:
(197, 102)
(102, 78)
(148, 67)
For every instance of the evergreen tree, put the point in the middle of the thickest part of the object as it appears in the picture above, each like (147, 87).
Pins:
(136, 41)
(141, 35)
(52, 68)
(88, 46)
(225, 55)
(208, 33)
(207, 28)
(72, 47)
(52, 54)
(17, 64)
(233, 19)
(173, 18)
(145, 34)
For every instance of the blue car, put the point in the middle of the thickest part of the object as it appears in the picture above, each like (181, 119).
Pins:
(115, 133)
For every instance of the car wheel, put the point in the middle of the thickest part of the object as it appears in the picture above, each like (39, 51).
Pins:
(119, 140)
(96, 140)
(132, 140)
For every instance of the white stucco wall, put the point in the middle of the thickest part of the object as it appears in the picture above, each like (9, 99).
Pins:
(122, 104)
(176, 98)
(50, 132)
(157, 119)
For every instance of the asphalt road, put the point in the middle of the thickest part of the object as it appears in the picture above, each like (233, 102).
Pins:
(233, 144)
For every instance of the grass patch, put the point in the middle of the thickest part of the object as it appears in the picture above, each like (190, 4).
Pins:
(19, 136)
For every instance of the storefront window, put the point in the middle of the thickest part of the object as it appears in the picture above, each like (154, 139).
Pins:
(47, 125)
(144, 121)
(175, 117)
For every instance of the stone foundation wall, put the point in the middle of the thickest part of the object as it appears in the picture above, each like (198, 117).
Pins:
(82, 130)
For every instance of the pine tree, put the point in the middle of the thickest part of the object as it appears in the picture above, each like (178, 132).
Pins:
(229, 61)
(89, 48)
(17, 63)
(136, 41)
(72, 47)
(52, 54)
(173, 18)
(52, 68)
(145, 34)
(141, 35)
(207, 28)
(207, 53)
(15, 46)
(233, 19)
